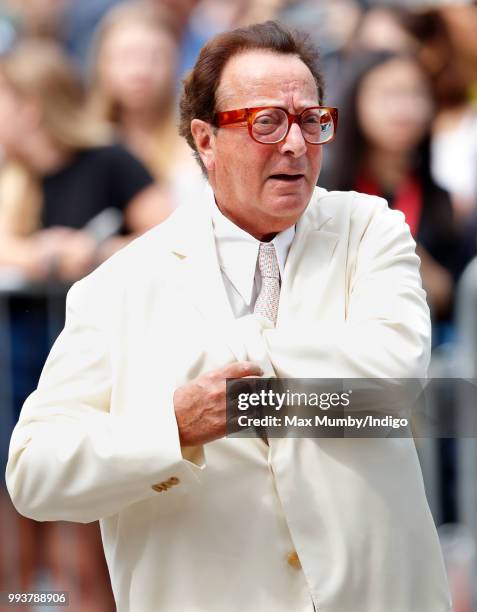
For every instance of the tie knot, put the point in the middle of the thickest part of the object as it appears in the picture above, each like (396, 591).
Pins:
(267, 261)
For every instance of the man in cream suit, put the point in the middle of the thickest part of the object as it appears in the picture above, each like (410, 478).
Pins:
(128, 422)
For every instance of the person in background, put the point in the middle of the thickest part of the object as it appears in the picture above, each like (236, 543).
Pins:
(383, 149)
(205, 19)
(79, 23)
(443, 40)
(63, 191)
(455, 129)
(59, 170)
(37, 17)
(383, 27)
(133, 82)
(331, 24)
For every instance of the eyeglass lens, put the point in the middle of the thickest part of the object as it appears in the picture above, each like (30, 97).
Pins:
(270, 125)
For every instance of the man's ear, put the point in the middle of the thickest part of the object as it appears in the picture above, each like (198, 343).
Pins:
(204, 138)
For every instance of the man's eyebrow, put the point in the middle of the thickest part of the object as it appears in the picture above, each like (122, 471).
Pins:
(299, 108)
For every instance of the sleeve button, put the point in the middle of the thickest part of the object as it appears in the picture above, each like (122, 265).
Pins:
(159, 487)
(294, 560)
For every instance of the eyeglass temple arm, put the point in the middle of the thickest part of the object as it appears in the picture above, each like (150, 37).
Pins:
(230, 117)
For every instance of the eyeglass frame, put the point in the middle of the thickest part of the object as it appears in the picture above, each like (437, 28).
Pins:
(239, 116)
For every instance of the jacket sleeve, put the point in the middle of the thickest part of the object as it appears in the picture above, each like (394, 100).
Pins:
(70, 458)
(385, 331)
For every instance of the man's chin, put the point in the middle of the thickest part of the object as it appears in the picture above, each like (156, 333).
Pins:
(288, 204)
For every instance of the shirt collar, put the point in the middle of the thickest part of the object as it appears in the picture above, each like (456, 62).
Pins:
(238, 251)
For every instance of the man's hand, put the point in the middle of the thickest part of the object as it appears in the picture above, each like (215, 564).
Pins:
(200, 405)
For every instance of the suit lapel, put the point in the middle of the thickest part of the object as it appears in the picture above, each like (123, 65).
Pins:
(199, 277)
(308, 264)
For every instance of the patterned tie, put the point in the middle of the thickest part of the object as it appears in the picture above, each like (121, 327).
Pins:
(267, 301)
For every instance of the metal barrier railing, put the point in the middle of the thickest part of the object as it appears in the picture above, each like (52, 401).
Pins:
(14, 285)
(466, 365)
(458, 361)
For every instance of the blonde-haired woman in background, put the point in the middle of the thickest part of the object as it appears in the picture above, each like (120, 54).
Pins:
(133, 83)
(64, 190)
(60, 170)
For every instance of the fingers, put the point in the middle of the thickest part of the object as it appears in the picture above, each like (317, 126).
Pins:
(200, 405)
(241, 369)
(243, 374)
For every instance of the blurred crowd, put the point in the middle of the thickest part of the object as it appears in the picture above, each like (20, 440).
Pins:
(90, 158)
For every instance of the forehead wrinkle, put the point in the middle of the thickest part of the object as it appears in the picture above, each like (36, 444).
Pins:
(261, 93)
(266, 82)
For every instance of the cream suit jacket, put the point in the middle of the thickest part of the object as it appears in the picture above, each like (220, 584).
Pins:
(238, 526)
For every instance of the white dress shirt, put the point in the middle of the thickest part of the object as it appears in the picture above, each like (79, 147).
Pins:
(237, 252)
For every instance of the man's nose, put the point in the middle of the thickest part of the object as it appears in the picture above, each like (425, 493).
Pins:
(294, 143)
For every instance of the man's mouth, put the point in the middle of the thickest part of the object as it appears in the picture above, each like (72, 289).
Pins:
(287, 177)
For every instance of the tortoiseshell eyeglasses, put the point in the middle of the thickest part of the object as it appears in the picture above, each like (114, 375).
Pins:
(270, 125)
